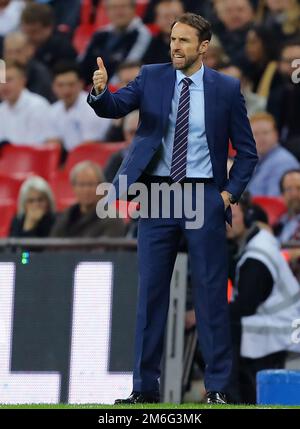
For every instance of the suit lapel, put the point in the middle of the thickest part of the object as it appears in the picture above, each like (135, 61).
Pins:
(210, 99)
(167, 88)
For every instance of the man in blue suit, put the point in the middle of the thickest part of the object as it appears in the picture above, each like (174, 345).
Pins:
(188, 113)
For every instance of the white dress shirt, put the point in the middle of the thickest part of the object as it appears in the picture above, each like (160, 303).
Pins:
(76, 125)
(10, 16)
(25, 122)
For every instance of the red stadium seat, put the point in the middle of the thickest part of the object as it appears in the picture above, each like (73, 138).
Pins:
(82, 36)
(7, 210)
(63, 192)
(22, 161)
(9, 188)
(97, 152)
(273, 206)
(153, 28)
(141, 6)
(231, 151)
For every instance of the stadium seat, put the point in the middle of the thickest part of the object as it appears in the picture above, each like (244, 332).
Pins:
(22, 161)
(231, 151)
(9, 188)
(141, 7)
(97, 152)
(62, 190)
(82, 36)
(273, 206)
(7, 210)
(153, 28)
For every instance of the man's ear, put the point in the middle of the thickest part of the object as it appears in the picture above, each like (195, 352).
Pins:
(204, 46)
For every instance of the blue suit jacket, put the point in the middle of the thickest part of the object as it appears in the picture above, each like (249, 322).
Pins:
(225, 118)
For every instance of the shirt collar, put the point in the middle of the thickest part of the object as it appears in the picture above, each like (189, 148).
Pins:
(197, 77)
(21, 103)
(269, 154)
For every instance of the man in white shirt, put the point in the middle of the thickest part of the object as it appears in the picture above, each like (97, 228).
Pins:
(23, 115)
(72, 122)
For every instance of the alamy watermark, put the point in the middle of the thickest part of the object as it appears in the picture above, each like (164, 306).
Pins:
(295, 337)
(158, 200)
(296, 73)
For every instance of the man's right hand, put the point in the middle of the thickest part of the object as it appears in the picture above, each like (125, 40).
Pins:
(100, 77)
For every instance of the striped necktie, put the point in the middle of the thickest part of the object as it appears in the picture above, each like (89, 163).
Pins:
(178, 165)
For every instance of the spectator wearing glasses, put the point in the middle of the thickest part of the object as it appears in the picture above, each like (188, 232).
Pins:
(36, 210)
(81, 220)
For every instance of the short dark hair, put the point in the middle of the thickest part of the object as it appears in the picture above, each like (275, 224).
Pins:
(202, 26)
(252, 212)
(66, 66)
(292, 170)
(35, 13)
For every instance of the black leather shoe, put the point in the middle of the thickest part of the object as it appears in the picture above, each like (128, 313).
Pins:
(140, 398)
(216, 398)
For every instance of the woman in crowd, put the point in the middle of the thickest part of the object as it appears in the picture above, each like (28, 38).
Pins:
(36, 209)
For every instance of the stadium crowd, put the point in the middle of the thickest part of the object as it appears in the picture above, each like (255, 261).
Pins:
(54, 151)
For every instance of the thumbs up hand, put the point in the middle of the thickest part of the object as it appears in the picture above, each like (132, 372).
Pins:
(100, 77)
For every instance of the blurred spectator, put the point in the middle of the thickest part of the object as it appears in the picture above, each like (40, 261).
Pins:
(254, 103)
(38, 23)
(200, 7)
(215, 55)
(274, 160)
(281, 16)
(284, 99)
(125, 39)
(260, 55)
(67, 13)
(166, 11)
(10, 13)
(127, 72)
(288, 227)
(283, 76)
(24, 115)
(17, 48)
(262, 278)
(81, 220)
(236, 16)
(36, 209)
(129, 127)
(72, 122)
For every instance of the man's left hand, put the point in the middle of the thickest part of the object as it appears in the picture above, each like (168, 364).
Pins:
(226, 195)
